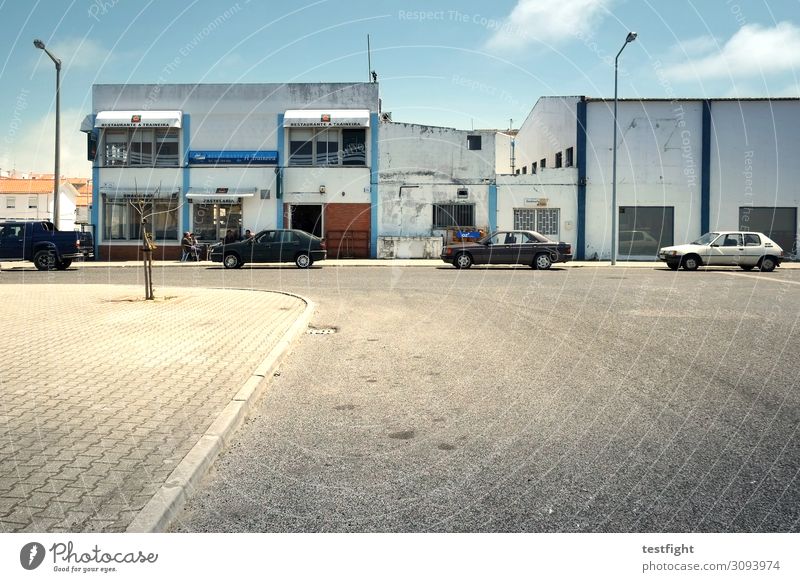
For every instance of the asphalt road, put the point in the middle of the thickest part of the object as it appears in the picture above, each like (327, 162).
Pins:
(582, 399)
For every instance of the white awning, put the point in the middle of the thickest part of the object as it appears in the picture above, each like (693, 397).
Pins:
(138, 119)
(137, 194)
(219, 195)
(86, 125)
(326, 118)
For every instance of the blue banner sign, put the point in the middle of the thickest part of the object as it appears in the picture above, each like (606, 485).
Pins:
(213, 157)
(471, 234)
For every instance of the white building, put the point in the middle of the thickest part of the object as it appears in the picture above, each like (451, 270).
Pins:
(684, 167)
(32, 199)
(214, 158)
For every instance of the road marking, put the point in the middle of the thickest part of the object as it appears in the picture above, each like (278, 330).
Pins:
(759, 277)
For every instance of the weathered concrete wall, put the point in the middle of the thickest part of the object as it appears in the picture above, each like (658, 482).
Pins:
(438, 162)
(422, 247)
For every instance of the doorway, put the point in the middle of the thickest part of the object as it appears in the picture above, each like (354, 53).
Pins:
(307, 217)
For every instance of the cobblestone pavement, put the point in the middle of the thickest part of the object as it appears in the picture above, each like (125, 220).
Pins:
(104, 393)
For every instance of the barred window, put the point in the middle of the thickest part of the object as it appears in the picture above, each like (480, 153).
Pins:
(453, 215)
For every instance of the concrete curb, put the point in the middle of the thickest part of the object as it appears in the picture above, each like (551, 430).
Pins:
(157, 515)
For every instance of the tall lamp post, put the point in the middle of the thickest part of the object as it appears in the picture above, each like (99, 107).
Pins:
(630, 38)
(56, 181)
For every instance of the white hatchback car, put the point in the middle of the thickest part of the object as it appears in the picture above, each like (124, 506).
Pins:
(748, 250)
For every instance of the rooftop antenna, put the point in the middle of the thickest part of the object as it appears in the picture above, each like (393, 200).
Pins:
(369, 62)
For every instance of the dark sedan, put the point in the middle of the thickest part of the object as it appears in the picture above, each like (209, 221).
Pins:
(513, 247)
(271, 246)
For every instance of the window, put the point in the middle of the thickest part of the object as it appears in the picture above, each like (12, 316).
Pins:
(545, 221)
(533, 167)
(33, 202)
(210, 222)
(517, 172)
(141, 147)
(570, 158)
(732, 240)
(752, 240)
(11, 202)
(327, 147)
(474, 142)
(354, 147)
(645, 229)
(453, 215)
(122, 221)
(543, 163)
(558, 159)
(524, 169)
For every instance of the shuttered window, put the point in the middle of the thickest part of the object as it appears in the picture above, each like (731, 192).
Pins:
(453, 215)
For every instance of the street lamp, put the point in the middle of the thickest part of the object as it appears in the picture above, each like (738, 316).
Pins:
(40, 45)
(630, 38)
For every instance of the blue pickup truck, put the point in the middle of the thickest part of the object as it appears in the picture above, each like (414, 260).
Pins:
(40, 242)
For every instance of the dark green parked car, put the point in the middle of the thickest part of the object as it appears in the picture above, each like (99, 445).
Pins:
(271, 246)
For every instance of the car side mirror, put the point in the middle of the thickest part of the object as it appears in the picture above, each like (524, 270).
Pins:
(714, 245)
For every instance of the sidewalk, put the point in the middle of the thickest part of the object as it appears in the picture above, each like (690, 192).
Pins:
(433, 263)
(104, 394)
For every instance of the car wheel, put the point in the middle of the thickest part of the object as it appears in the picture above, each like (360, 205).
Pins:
(746, 267)
(303, 261)
(231, 261)
(767, 264)
(690, 263)
(543, 261)
(63, 264)
(463, 261)
(673, 266)
(44, 260)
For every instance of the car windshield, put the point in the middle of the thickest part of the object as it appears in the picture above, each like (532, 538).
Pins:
(706, 238)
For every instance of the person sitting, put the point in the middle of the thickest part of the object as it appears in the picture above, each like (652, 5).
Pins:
(186, 246)
(230, 237)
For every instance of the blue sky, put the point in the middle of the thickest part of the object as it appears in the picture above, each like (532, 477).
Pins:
(461, 64)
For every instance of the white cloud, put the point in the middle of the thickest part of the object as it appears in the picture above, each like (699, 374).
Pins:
(754, 50)
(31, 148)
(546, 21)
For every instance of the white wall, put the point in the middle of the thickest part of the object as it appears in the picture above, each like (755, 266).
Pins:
(301, 184)
(550, 127)
(755, 152)
(659, 148)
(555, 188)
(502, 153)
